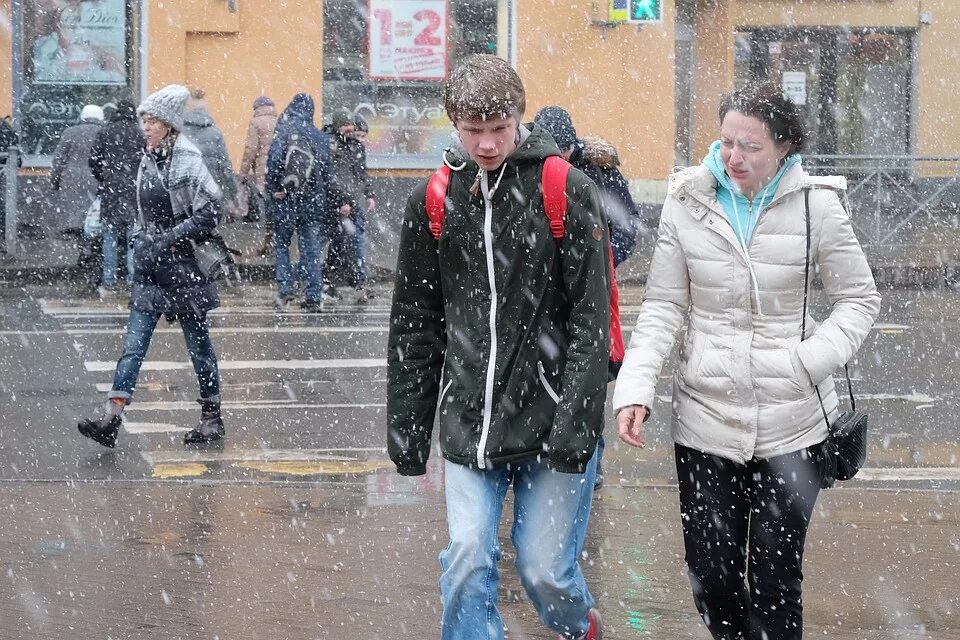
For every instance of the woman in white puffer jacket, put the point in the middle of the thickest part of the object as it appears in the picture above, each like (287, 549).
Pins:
(747, 423)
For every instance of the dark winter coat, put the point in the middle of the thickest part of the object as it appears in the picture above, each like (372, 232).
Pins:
(198, 125)
(348, 166)
(497, 325)
(178, 201)
(308, 206)
(114, 159)
(599, 160)
(73, 183)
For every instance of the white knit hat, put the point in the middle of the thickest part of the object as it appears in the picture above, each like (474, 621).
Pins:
(91, 112)
(166, 104)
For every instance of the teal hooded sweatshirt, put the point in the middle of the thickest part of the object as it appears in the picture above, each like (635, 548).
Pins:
(742, 213)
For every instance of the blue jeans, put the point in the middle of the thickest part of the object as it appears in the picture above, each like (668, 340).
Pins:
(312, 244)
(549, 508)
(111, 242)
(196, 333)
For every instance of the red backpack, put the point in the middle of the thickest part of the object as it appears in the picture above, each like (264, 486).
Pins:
(554, 181)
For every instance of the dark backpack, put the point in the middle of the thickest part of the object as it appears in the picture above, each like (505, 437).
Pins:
(299, 163)
(554, 187)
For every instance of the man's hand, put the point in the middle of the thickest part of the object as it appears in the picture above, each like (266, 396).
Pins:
(630, 424)
(279, 195)
(371, 204)
(345, 210)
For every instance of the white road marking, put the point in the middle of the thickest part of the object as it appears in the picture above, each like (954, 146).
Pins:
(232, 365)
(243, 405)
(153, 427)
(86, 330)
(909, 473)
(259, 455)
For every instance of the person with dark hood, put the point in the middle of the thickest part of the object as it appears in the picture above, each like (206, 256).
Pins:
(298, 181)
(178, 203)
(599, 160)
(114, 159)
(198, 125)
(346, 260)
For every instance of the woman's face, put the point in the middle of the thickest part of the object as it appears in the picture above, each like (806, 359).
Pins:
(750, 156)
(154, 131)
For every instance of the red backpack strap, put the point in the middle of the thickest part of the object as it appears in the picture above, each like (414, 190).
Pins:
(554, 185)
(436, 199)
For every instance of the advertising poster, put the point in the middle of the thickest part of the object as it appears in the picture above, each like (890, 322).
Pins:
(78, 42)
(408, 39)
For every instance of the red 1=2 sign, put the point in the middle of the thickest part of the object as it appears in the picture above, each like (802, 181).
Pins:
(408, 39)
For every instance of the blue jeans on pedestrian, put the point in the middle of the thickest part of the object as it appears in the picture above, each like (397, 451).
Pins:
(313, 248)
(549, 508)
(196, 333)
(111, 234)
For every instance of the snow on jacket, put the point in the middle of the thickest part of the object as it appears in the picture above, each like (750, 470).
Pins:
(517, 323)
(308, 206)
(600, 161)
(259, 135)
(70, 176)
(178, 201)
(114, 160)
(198, 125)
(744, 385)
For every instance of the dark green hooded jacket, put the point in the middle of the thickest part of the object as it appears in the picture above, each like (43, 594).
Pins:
(499, 326)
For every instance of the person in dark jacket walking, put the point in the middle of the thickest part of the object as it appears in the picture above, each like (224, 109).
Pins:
(298, 180)
(114, 159)
(504, 332)
(178, 202)
(599, 160)
(346, 260)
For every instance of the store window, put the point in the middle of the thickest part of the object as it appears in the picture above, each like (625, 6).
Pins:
(69, 53)
(387, 61)
(852, 86)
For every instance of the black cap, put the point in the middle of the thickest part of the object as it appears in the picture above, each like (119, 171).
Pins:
(558, 124)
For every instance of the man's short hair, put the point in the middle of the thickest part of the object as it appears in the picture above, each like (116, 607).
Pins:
(484, 87)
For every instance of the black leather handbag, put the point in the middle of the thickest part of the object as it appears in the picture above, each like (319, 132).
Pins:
(844, 451)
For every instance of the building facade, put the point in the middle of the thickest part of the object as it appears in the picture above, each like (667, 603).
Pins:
(873, 77)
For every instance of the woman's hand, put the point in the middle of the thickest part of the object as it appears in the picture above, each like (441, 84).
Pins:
(630, 424)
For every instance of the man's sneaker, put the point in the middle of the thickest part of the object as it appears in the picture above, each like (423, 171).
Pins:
(330, 294)
(595, 628)
(311, 306)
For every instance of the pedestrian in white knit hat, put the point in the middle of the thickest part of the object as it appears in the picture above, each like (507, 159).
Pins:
(167, 104)
(91, 113)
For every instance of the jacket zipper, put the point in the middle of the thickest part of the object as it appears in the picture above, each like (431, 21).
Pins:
(492, 361)
(443, 394)
(546, 385)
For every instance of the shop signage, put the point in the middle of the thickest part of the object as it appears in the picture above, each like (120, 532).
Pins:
(794, 85)
(408, 39)
(79, 43)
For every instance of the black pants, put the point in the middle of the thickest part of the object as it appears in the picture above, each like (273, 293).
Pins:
(744, 528)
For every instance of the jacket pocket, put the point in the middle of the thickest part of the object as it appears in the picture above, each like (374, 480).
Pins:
(541, 372)
(692, 357)
(800, 375)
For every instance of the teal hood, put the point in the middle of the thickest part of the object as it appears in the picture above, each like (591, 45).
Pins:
(742, 213)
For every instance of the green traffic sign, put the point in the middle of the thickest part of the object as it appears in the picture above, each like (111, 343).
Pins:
(646, 10)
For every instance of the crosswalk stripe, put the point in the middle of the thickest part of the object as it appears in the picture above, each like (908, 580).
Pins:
(894, 474)
(152, 427)
(228, 365)
(242, 405)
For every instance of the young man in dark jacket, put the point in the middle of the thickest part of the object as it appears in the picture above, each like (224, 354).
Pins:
(505, 331)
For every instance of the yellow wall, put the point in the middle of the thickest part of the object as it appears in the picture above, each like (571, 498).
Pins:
(713, 69)
(6, 60)
(938, 112)
(617, 83)
(271, 47)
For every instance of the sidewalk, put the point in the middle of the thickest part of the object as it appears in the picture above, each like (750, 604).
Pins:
(929, 257)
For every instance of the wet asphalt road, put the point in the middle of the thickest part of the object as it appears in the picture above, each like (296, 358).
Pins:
(296, 527)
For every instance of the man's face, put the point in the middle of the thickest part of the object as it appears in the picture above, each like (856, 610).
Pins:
(489, 142)
(346, 130)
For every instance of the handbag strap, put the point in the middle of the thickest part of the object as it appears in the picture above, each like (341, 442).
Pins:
(803, 320)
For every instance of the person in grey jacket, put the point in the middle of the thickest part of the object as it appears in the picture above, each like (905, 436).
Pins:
(178, 202)
(70, 176)
(198, 125)
(748, 423)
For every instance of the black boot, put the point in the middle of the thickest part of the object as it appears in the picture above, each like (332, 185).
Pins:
(210, 427)
(104, 429)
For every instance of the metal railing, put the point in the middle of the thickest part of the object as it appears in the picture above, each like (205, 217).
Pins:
(9, 163)
(889, 193)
